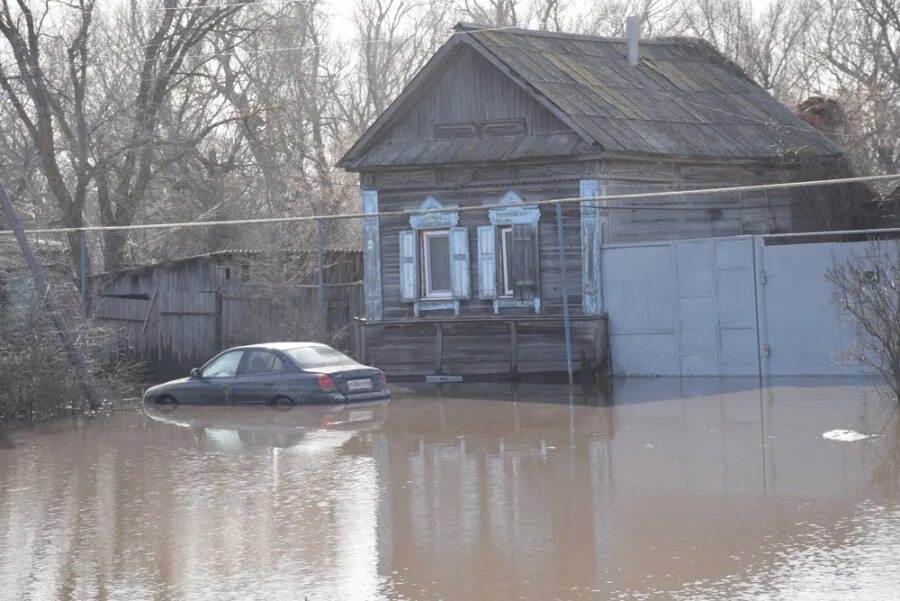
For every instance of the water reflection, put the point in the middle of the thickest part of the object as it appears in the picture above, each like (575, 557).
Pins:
(236, 427)
(688, 489)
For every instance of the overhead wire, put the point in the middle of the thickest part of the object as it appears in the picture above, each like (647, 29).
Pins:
(599, 201)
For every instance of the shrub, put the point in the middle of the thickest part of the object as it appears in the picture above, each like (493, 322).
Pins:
(867, 286)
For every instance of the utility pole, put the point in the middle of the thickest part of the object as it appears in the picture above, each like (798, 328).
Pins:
(89, 394)
(565, 291)
(321, 314)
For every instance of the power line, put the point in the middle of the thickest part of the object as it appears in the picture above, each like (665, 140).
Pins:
(536, 203)
(225, 5)
(364, 42)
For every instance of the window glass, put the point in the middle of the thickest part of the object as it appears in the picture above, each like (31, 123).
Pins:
(223, 366)
(506, 260)
(261, 362)
(307, 357)
(437, 263)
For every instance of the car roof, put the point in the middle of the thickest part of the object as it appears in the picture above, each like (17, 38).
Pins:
(278, 346)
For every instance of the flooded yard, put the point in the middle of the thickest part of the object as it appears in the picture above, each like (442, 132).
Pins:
(665, 489)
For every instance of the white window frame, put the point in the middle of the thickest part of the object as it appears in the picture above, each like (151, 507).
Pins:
(511, 211)
(426, 264)
(505, 241)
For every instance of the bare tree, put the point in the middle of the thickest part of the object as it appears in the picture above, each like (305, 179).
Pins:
(394, 40)
(867, 286)
(501, 13)
(50, 83)
(858, 51)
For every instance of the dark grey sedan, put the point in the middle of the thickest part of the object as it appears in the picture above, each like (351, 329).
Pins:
(278, 373)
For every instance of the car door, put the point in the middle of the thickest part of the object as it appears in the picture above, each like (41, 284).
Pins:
(213, 386)
(257, 377)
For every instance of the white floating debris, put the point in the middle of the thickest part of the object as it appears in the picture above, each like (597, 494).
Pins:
(845, 435)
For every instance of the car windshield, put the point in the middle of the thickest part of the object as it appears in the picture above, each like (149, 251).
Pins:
(307, 357)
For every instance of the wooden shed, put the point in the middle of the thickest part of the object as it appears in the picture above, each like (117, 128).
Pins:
(511, 116)
(178, 313)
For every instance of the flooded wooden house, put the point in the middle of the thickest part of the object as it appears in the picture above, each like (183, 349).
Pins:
(176, 314)
(507, 117)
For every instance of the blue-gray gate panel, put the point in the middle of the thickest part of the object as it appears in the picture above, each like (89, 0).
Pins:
(696, 306)
(736, 307)
(718, 306)
(639, 297)
(805, 333)
(668, 312)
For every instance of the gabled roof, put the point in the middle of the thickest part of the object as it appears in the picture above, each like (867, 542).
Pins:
(683, 99)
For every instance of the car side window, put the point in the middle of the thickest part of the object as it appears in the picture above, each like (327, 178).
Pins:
(261, 362)
(224, 366)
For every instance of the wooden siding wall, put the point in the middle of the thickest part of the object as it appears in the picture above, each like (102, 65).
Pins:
(177, 316)
(550, 273)
(700, 216)
(475, 347)
(713, 215)
(473, 90)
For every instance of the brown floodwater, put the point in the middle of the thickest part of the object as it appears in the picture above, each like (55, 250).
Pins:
(665, 489)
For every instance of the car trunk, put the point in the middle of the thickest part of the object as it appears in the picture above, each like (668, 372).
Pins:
(344, 374)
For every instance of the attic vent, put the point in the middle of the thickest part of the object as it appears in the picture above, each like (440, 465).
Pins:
(481, 129)
(450, 131)
(503, 127)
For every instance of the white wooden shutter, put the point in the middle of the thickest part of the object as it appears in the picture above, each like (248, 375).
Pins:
(591, 239)
(487, 262)
(460, 275)
(372, 256)
(409, 269)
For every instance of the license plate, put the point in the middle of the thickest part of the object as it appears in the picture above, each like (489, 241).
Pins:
(360, 416)
(359, 385)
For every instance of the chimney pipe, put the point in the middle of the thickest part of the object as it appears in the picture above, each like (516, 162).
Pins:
(632, 33)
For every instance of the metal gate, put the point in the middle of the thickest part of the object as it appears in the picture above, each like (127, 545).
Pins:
(742, 306)
(682, 308)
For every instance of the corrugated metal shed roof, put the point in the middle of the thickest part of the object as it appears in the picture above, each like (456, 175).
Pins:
(683, 99)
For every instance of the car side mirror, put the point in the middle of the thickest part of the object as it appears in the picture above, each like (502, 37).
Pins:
(195, 373)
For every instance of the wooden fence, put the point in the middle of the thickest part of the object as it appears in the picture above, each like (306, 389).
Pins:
(175, 330)
(177, 314)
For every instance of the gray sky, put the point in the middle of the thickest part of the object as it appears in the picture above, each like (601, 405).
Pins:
(343, 9)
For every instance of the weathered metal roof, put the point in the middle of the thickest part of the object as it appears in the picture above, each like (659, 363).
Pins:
(684, 98)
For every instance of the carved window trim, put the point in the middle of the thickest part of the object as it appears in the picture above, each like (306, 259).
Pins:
(436, 220)
(513, 211)
(421, 223)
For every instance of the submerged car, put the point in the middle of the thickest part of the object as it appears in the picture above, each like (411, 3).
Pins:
(278, 373)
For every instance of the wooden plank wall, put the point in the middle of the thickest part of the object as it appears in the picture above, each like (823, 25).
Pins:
(490, 95)
(187, 329)
(551, 281)
(685, 217)
(483, 347)
(178, 316)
